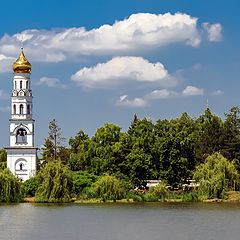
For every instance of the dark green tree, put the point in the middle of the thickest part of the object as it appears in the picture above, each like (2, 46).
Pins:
(174, 149)
(143, 135)
(141, 161)
(231, 136)
(30, 186)
(133, 124)
(209, 136)
(75, 142)
(139, 166)
(48, 150)
(82, 151)
(107, 149)
(82, 180)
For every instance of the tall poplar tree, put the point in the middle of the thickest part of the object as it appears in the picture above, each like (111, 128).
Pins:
(53, 145)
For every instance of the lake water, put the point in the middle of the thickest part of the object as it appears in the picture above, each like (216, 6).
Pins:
(153, 221)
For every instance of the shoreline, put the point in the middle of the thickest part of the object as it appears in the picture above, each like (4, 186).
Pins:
(131, 201)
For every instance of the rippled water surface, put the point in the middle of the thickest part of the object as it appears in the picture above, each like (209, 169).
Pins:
(120, 221)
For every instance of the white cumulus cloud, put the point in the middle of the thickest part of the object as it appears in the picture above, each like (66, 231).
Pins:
(192, 91)
(120, 69)
(5, 63)
(214, 31)
(136, 34)
(51, 82)
(162, 94)
(136, 102)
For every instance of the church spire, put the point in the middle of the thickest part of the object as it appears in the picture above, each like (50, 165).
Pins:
(22, 65)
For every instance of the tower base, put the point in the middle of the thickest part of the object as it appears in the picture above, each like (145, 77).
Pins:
(22, 161)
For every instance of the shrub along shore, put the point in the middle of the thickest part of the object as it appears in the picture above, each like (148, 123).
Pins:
(113, 165)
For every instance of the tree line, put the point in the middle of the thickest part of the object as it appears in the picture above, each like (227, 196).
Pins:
(173, 151)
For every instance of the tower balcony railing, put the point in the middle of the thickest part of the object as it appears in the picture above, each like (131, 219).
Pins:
(22, 116)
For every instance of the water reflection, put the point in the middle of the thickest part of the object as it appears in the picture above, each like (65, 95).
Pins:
(120, 221)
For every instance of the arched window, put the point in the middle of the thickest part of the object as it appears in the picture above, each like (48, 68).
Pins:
(20, 84)
(21, 166)
(28, 109)
(14, 109)
(15, 84)
(26, 84)
(21, 136)
(21, 109)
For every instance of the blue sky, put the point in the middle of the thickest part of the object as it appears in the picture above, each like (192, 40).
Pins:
(100, 61)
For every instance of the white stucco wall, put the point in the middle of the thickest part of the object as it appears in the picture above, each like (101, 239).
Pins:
(26, 156)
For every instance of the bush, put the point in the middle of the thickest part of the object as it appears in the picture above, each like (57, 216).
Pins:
(55, 183)
(160, 191)
(190, 197)
(81, 181)
(30, 187)
(181, 196)
(10, 187)
(108, 188)
(135, 196)
(150, 197)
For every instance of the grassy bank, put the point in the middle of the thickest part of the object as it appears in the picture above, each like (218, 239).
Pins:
(172, 197)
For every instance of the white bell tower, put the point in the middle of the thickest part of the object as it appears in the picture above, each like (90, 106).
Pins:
(22, 155)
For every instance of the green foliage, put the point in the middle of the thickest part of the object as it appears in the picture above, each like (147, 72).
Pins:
(231, 135)
(3, 159)
(108, 188)
(190, 196)
(182, 196)
(136, 197)
(30, 186)
(142, 135)
(104, 153)
(55, 183)
(10, 187)
(208, 139)
(160, 191)
(173, 149)
(216, 176)
(48, 150)
(75, 142)
(139, 164)
(81, 181)
(168, 150)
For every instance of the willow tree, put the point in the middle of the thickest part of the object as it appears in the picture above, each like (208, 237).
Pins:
(216, 176)
(108, 188)
(55, 183)
(3, 159)
(10, 187)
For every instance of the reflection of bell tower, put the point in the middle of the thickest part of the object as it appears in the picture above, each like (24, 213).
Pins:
(22, 155)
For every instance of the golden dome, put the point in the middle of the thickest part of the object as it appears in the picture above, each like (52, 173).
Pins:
(22, 65)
